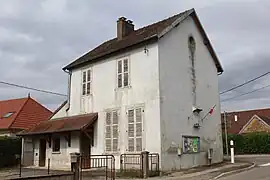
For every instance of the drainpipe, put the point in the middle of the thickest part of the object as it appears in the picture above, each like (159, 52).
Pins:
(69, 86)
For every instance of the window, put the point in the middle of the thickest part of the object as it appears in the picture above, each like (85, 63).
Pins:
(123, 73)
(111, 131)
(56, 145)
(135, 130)
(191, 144)
(86, 82)
(7, 115)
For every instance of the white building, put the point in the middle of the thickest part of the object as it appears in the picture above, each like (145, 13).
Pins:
(152, 89)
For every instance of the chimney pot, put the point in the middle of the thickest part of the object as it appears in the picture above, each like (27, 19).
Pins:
(124, 27)
(129, 21)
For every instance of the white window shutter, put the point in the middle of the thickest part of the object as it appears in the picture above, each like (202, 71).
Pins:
(112, 131)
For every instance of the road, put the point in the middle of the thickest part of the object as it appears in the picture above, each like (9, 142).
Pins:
(260, 172)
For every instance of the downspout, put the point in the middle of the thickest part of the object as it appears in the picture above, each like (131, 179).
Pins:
(69, 87)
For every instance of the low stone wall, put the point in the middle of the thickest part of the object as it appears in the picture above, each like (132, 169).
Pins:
(66, 176)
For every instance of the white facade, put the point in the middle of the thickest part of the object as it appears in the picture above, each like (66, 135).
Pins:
(61, 159)
(159, 83)
(177, 119)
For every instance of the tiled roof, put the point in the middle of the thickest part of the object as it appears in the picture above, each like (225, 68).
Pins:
(65, 124)
(138, 36)
(13, 105)
(26, 113)
(243, 117)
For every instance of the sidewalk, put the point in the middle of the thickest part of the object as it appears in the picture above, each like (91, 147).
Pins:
(205, 172)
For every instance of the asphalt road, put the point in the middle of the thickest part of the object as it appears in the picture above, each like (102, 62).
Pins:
(260, 172)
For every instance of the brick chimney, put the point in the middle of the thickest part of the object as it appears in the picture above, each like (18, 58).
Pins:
(124, 27)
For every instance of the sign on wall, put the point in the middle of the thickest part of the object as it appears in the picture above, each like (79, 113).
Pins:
(191, 144)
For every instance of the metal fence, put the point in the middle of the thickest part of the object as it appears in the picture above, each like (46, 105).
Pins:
(153, 164)
(131, 165)
(23, 172)
(97, 165)
(134, 165)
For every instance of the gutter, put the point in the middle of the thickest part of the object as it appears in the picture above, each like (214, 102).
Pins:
(69, 87)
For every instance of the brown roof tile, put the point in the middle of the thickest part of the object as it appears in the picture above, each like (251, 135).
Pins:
(65, 124)
(26, 113)
(138, 36)
(243, 117)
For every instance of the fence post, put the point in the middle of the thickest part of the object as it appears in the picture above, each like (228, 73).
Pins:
(145, 161)
(49, 162)
(75, 165)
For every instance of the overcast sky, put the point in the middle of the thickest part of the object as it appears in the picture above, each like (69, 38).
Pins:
(39, 37)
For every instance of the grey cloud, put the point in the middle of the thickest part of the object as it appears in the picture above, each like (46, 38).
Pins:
(42, 36)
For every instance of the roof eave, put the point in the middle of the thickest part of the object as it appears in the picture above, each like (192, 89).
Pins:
(207, 42)
(106, 55)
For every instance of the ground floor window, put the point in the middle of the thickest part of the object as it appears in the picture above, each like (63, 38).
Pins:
(135, 129)
(111, 131)
(56, 144)
(191, 144)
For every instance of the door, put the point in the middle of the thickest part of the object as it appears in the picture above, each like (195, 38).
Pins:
(85, 151)
(28, 152)
(42, 152)
(85, 145)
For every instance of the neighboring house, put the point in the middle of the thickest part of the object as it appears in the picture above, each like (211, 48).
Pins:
(20, 114)
(241, 122)
(150, 89)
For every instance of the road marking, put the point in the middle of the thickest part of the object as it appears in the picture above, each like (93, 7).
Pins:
(264, 165)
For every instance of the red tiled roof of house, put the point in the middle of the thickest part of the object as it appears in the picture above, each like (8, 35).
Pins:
(234, 127)
(65, 124)
(25, 112)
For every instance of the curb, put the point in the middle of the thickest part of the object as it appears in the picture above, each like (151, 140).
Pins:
(235, 171)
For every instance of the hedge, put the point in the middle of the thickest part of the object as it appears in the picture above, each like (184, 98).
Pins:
(9, 147)
(252, 143)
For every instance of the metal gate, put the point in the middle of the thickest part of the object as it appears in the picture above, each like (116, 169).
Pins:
(131, 165)
(153, 164)
(97, 166)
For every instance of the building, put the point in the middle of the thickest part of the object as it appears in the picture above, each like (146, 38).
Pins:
(241, 122)
(152, 89)
(20, 114)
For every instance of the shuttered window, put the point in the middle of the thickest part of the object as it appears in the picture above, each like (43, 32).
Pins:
(135, 129)
(86, 82)
(123, 73)
(111, 131)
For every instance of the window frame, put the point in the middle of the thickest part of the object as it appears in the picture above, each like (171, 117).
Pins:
(84, 84)
(54, 145)
(123, 73)
(112, 138)
(7, 115)
(135, 137)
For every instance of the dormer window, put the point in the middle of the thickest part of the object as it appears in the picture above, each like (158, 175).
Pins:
(86, 82)
(123, 73)
(7, 115)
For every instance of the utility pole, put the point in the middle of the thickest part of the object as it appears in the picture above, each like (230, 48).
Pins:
(226, 134)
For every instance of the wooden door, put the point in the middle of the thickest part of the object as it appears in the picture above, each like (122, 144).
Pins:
(42, 152)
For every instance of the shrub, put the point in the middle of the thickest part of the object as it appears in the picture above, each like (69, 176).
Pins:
(9, 147)
(252, 143)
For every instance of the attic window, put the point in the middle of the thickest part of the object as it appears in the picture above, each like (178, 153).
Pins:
(8, 114)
